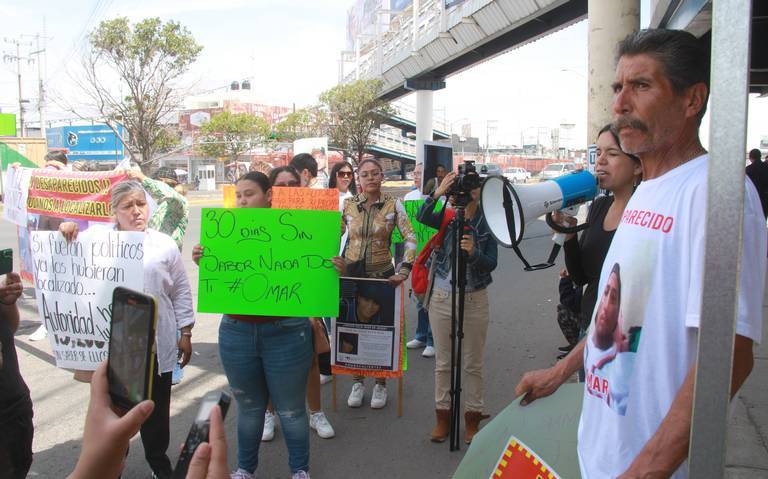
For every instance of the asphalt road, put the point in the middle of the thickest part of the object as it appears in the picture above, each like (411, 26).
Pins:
(523, 334)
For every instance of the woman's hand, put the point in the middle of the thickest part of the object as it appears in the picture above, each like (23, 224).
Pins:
(106, 435)
(339, 264)
(197, 253)
(185, 346)
(10, 289)
(396, 279)
(445, 185)
(69, 230)
(566, 220)
(135, 174)
(468, 244)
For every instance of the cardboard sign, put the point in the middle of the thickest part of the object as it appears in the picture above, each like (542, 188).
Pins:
(65, 194)
(423, 232)
(269, 262)
(295, 198)
(367, 334)
(74, 283)
(15, 195)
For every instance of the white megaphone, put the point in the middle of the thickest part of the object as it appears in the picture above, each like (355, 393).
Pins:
(508, 208)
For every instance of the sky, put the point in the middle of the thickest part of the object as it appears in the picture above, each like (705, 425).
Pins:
(289, 50)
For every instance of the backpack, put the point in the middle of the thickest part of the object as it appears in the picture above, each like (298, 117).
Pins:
(419, 271)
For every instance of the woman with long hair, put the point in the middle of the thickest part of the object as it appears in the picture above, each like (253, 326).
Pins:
(265, 358)
(369, 218)
(619, 173)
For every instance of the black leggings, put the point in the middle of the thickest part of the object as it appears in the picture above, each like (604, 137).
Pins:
(16, 447)
(155, 433)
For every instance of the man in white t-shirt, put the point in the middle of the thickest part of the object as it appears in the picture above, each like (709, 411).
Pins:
(640, 352)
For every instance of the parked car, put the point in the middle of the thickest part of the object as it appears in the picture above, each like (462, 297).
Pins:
(488, 169)
(554, 170)
(517, 175)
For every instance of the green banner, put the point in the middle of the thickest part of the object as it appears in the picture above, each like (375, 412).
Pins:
(7, 124)
(422, 231)
(269, 262)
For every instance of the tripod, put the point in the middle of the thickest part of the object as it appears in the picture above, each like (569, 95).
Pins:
(458, 282)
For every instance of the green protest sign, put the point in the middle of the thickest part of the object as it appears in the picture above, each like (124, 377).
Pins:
(422, 231)
(269, 262)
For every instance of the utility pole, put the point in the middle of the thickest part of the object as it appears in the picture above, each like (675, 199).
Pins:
(40, 84)
(18, 58)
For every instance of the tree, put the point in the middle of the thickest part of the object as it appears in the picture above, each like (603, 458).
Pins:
(232, 135)
(302, 123)
(130, 74)
(354, 110)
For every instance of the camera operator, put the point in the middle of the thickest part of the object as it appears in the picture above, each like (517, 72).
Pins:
(481, 253)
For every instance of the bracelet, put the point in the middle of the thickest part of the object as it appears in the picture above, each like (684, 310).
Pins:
(187, 334)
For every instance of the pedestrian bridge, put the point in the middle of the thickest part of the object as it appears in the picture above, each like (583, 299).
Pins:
(433, 42)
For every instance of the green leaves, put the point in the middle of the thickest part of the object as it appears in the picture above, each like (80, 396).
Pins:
(231, 135)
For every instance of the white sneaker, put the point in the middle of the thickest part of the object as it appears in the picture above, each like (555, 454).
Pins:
(429, 352)
(300, 475)
(241, 474)
(40, 334)
(325, 378)
(415, 344)
(319, 423)
(269, 427)
(379, 398)
(356, 396)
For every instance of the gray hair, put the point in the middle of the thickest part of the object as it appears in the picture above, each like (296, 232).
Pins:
(123, 189)
(683, 58)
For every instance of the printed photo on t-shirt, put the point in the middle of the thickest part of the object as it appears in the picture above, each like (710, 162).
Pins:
(611, 347)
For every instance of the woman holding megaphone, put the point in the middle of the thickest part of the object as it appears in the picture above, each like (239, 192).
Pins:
(619, 173)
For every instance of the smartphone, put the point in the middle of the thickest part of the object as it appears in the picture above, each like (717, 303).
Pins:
(199, 431)
(6, 261)
(131, 363)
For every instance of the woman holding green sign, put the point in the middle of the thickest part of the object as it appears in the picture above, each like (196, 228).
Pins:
(370, 217)
(265, 358)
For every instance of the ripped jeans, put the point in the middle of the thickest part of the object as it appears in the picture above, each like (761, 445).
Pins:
(262, 362)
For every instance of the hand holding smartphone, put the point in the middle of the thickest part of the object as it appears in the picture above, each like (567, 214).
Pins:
(198, 433)
(131, 364)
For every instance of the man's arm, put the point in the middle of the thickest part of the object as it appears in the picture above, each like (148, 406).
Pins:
(668, 448)
(543, 382)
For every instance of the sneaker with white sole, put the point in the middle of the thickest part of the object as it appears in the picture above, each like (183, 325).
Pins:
(429, 352)
(269, 427)
(300, 475)
(415, 344)
(40, 334)
(319, 423)
(325, 378)
(241, 474)
(379, 397)
(356, 396)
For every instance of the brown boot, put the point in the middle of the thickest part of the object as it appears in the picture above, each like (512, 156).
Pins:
(443, 426)
(472, 424)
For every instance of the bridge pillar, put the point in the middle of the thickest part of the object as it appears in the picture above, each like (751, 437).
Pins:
(609, 23)
(424, 119)
(425, 90)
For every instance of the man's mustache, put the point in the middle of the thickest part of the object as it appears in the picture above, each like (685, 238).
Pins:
(628, 122)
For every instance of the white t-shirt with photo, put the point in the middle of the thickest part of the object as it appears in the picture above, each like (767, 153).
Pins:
(659, 247)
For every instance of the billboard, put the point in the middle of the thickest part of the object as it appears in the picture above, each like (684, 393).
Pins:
(362, 17)
(7, 124)
(87, 142)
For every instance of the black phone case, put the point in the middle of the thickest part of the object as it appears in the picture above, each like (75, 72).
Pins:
(197, 434)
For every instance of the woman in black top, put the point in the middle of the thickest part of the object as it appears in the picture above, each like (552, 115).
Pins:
(619, 173)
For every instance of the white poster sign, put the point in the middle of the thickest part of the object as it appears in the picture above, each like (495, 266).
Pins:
(74, 283)
(15, 194)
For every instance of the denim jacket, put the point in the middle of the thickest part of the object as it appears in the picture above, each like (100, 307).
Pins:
(484, 257)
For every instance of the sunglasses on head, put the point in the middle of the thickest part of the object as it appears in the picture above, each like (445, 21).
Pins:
(344, 174)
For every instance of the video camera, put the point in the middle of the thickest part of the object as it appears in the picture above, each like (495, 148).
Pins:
(466, 180)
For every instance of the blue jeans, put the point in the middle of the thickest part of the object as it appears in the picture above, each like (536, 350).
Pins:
(423, 329)
(263, 362)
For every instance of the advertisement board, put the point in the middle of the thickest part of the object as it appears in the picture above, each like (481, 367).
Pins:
(7, 124)
(87, 142)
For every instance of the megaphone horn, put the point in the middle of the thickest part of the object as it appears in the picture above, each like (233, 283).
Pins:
(508, 208)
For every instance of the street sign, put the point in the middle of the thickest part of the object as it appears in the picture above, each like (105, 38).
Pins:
(87, 142)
